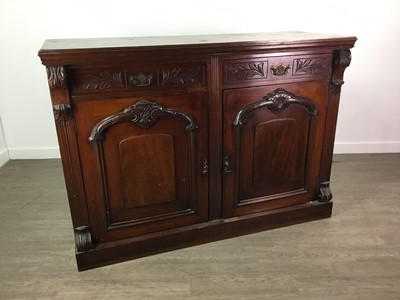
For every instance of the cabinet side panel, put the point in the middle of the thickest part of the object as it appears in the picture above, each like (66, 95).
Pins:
(147, 164)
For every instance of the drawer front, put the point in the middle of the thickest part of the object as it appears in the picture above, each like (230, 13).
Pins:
(276, 68)
(97, 80)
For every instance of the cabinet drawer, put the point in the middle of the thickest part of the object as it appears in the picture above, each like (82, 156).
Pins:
(276, 68)
(105, 79)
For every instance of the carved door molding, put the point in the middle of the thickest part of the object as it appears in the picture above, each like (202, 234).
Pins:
(155, 165)
(268, 145)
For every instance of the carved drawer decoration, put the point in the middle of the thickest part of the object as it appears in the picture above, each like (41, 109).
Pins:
(245, 70)
(114, 79)
(182, 75)
(310, 66)
(275, 68)
(100, 81)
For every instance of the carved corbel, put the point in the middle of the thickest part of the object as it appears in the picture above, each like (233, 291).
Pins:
(56, 76)
(341, 60)
(83, 239)
(62, 112)
(324, 192)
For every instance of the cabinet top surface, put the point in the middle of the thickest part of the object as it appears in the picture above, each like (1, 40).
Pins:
(271, 38)
(71, 51)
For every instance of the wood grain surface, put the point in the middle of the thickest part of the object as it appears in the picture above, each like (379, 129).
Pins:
(353, 255)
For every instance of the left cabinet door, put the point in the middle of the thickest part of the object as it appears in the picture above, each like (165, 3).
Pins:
(144, 163)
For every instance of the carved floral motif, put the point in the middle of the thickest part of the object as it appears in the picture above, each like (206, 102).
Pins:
(56, 76)
(310, 66)
(279, 103)
(248, 71)
(276, 101)
(100, 81)
(180, 75)
(143, 114)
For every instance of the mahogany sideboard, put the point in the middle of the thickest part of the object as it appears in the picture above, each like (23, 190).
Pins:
(170, 142)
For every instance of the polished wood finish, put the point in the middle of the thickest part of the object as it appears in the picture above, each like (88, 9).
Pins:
(168, 143)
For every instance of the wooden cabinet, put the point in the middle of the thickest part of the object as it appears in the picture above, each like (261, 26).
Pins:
(177, 141)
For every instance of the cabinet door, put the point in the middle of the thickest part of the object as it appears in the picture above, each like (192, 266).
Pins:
(144, 163)
(272, 146)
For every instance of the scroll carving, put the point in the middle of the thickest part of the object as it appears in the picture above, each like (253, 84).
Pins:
(248, 71)
(143, 114)
(100, 81)
(341, 60)
(276, 101)
(324, 192)
(180, 75)
(310, 66)
(62, 112)
(83, 239)
(56, 76)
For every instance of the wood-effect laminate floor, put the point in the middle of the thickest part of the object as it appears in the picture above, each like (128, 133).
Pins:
(353, 255)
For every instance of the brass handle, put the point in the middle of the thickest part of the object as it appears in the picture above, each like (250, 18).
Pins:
(141, 79)
(280, 69)
(227, 165)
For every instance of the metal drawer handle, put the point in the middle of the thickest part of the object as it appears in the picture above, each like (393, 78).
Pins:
(280, 69)
(141, 79)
